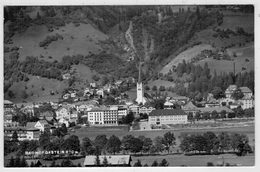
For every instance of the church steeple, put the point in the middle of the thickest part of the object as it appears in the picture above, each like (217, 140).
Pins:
(139, 76)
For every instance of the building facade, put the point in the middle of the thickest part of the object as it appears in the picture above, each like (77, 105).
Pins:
(167, 116)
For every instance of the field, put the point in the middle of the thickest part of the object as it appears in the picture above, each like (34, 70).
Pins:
(186, 55)
(35, 89)
(77, 40)
(232, 21)
(242, 53)
(197, 160)
(92, 132)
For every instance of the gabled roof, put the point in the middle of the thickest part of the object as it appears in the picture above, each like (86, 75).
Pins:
(30, 124)
(43, 121)
(245, 90)
(218, 109)
(190, 106)
(8, 102)
(167, 112)
(112, 159)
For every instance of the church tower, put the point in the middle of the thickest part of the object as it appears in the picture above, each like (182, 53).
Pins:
(139, 89)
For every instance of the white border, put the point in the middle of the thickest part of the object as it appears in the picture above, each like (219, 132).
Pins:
(140, 2)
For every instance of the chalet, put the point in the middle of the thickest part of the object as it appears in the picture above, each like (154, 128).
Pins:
(100, 92)
(66, 96)
(113, 160)
(167, 116)
(212, 103)
(33, 134)
(66, 114)
(190, 108)
(29, 109)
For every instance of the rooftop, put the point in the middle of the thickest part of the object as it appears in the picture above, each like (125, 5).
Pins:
(245, 90)
(167, 112)
(112, 159)
(218, 109)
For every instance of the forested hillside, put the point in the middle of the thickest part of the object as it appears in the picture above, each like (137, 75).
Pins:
(45, 42)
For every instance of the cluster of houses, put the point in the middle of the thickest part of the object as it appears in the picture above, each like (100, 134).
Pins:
(95, 114)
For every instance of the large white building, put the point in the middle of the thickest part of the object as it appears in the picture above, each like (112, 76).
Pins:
(167, 116)
(103, 117)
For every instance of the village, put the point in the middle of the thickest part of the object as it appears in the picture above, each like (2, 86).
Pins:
(31, 122)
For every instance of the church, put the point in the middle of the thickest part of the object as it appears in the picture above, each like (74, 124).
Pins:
(140, 90)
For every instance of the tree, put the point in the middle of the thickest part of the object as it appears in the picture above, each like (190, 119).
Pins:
(162, 88)
(223, 114)
(44, 140)
(210, 138)
(66, 163)
(128, 119)
(95, 77)
(127, 142)
(97, 161)
(147, 88)
(138, 163)
(113, 144)
(168, 140)
(197, 116)
(64, 129)
(11, 162)
(100, 143)
(214, 115)
(155, 163)
(164, 163)
(158, 144)
(154, 88)
(105, 162)
(217, 92)
(72, 143)
(147, 144)
(249, 113)
(237, 94)
(15, 137)
(224, 141)
(87, 146)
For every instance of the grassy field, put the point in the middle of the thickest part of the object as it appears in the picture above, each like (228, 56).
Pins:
(77, 40)
(34, 89)
(197, 160)
(242, 53)
(186, 55)
(232, 21)
(92, 132)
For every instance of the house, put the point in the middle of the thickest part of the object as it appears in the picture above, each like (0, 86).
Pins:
(66, 76)
(190, 108)
(246, 102)
(93, 85)
(134, 108)
(246, 91)
(217, 109)
(48, 115)
(29, 109)
(33, 133)
(179, 100)
(42, 125)
(66, 96)
(8, 116)
(8, 106)
(21, 133)
(212, 103)
(230, 90)
(146, 110)
(167, 116)
(100, 92)
(66, 114)
(168, 105)
(113, 160)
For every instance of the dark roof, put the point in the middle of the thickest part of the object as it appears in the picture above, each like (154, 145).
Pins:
(167, 112)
